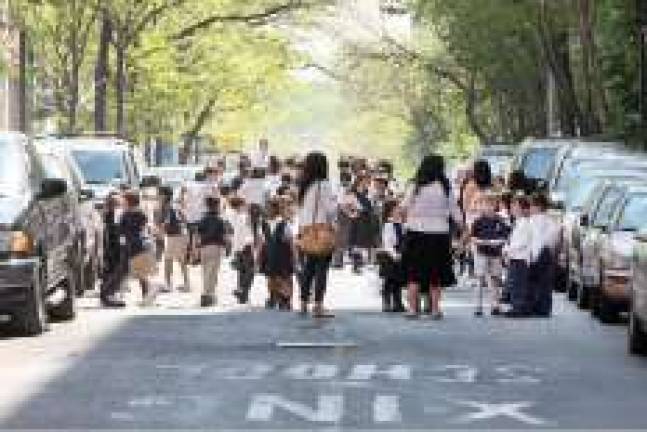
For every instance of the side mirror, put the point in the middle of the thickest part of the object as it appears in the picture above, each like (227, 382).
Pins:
(86, 195)
(52, 188)
(584, 220)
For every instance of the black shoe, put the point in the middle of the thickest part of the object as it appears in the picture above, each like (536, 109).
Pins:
(112, 303)
(270, 304)
(495, 312)
(207, 301)
(478, 313)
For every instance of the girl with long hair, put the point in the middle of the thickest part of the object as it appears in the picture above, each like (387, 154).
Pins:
(316, 205)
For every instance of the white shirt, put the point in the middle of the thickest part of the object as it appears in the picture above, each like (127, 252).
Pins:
(326, 207)
(429, 210)
(518, 248)
(194, 204)
(545, 234)
(243, 235)
(390, 239)
(260, 159)
(254, 191)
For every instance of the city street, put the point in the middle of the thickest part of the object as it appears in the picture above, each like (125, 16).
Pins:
(176, 366)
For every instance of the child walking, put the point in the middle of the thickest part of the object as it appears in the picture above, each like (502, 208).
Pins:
(212, 230)
(517, 254)
(391, 259)
(277, 261)
(489, 234)
(176, 241)
(242, 246)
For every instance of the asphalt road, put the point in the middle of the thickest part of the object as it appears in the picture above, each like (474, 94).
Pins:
(176, 366)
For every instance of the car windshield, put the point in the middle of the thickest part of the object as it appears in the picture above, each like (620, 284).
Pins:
(100, 167)
(569, 173)
(12, 168)
(633, 214)
(538, 162)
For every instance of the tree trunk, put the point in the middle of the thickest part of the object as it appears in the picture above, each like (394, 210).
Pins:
(120, 87)
(101, 75)
(192, 134)
(591, 122)
(22, 78)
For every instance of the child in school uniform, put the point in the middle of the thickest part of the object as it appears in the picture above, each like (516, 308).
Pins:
(212, 230)
(390, 258)
(277, 261)
(489, 233)
(542, 270)
(517, 254)
(242, 246)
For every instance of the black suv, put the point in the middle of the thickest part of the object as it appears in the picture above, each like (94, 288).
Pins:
(37, 240)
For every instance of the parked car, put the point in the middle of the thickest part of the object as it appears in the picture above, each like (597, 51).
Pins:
(637, 329)
(616, 242)
(569, 158)
(499, 156)
(86, 219)
(105, 163)
(37, 239)
(576, 223)
(536, 158)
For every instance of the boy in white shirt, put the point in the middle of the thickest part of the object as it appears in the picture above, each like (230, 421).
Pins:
(517, 254)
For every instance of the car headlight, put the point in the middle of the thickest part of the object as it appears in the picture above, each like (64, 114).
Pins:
(17, 243)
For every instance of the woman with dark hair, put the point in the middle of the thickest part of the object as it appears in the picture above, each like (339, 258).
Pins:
(427, 261)
(317, 207)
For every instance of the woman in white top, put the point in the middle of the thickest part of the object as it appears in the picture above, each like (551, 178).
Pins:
(427, 260)
(315, 192)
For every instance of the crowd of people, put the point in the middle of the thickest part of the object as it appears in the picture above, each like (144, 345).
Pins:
(291, 220)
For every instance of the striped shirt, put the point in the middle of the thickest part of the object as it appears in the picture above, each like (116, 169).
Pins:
(430, 209)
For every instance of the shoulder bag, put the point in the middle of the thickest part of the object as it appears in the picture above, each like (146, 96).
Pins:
(317, 238)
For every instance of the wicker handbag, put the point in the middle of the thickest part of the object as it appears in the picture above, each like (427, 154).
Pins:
(317, 238)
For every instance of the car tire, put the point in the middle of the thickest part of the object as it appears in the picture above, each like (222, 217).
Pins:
(637, 342)
(32, 319)
(66, 311)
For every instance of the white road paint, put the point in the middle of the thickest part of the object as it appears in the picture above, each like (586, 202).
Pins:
(463, 374)
(488, 411)
(386, 409)
(518, 374)
(247, 373)
(312, 372)
(369, 372)
(329, 409)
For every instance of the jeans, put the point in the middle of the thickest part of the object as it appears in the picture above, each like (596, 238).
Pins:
(315, 271)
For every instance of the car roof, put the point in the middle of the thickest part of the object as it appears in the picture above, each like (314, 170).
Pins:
(548, 142)
(12, 136)
(90, 143)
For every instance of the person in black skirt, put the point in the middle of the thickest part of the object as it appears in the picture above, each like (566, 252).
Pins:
(429, 206)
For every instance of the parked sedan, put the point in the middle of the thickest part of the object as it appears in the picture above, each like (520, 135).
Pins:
(637, 331)
(536, 158)
(616, 248)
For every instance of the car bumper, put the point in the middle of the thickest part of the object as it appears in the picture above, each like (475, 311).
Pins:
(616, 286)
(16, 276)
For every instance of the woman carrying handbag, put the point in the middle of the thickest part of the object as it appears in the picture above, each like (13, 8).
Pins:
(316, 238)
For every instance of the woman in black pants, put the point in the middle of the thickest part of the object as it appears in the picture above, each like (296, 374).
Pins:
(317, 205)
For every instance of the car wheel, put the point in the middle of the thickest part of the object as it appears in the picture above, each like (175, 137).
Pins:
(66, 311)
(582, 296)
(637, 337)
(32, 319)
